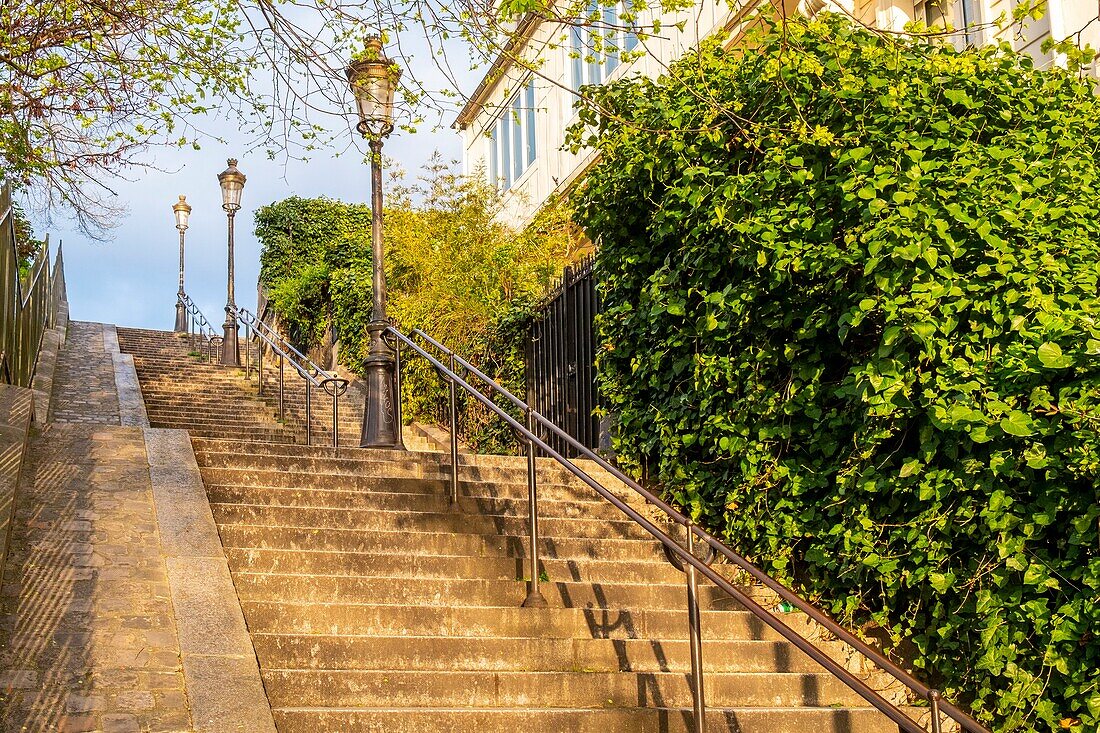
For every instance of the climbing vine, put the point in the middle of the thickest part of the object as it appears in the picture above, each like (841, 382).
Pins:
(851, 322)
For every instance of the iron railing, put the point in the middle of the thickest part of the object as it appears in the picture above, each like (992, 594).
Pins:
(530, 430)
(27, 307)
(203, 338)
(561, 358)
(313, 376)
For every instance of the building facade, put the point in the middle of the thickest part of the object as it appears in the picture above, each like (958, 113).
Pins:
(513, 127)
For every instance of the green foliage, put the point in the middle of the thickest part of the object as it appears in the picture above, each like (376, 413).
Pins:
(27, 247)
(851, 323)
(315, 251)
(452, 270)
(86, 84)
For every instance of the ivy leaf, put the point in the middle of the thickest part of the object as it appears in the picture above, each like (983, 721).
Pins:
(1051, 356)
(941, 582)
(909, 468)
(1017, 423)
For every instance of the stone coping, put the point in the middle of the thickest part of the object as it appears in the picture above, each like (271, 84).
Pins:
(220, 670)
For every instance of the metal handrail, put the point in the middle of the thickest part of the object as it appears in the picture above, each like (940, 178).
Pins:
(257, 324)
(197, 325)
(692, 564)
(312, 375)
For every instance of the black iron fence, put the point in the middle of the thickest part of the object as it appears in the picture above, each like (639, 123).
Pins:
(561, 360)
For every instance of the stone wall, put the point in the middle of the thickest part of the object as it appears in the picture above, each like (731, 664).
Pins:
(16, 415)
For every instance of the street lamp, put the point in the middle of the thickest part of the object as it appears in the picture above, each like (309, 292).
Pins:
(373, 79)
(182, 210)
(232, 183)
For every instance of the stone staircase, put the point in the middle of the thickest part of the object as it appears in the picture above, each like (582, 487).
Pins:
(374, 604)
(184, 389)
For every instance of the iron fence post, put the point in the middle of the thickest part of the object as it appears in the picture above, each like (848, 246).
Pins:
(282, 415)
(699, 707)
(454, 433)
(397, 388)
(336, 419)
(308, 391)
(934, 703)
(534, 598)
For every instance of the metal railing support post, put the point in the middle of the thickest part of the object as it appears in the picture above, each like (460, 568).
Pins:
(309, 390)
(934, 703)
(282, 412)
(534, 598)
(397, 387)
(699, 706)
(247, 352)
(454, 433)
(336, 420)
(260, 368)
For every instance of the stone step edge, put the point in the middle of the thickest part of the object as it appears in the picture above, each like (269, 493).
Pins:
(361, 530)
(443, 496)
(375, 511)
(609, 709)
(430, 580)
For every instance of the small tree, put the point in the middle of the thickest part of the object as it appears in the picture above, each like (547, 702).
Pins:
(452, 270)
(852, 323)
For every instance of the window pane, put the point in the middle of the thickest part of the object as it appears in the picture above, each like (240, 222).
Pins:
(594, 67)
(494, 164)
(970, 15)
(577, 50)
(515, 118)
(611, 39)
(505, 150)
(530, 123)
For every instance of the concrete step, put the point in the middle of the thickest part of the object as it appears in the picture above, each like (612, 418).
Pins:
(243, 420)
(553, 501)
(302, 588)
(424, 565)
(374, 475)
(488, 467)
(359, 619)
(656, 719)
(318, 651)
(324, 518)
(352, 539)
(506, 689)
(256, 434)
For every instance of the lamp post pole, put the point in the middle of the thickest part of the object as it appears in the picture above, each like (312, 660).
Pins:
(372, 80)
(182, 210)
(232, 184)
(231, 353)
(380, 428)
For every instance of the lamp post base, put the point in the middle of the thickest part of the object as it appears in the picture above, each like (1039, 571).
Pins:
(380, 428)
(231, 350)
(181, 317)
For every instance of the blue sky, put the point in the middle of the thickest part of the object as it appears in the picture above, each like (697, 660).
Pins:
(131, 279)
